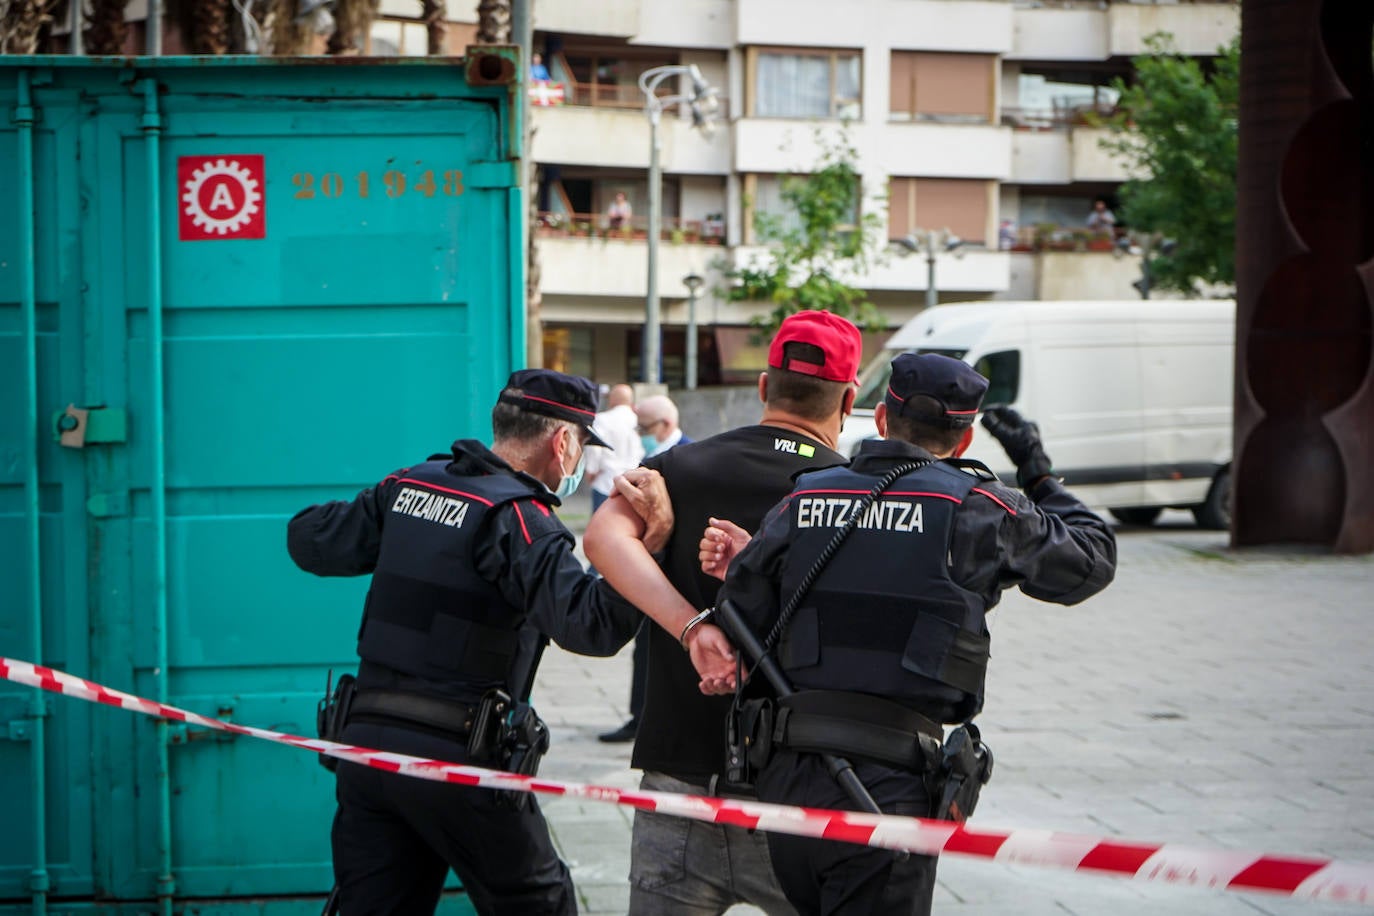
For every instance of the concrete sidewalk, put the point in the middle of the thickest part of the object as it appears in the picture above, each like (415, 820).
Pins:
(1209, 697)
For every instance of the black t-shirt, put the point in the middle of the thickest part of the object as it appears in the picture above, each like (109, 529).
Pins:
(738, 475)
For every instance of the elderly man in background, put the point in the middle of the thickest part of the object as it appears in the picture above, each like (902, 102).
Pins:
(616, 425)
(658, 424)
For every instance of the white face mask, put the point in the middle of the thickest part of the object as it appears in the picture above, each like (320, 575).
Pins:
(568, 483)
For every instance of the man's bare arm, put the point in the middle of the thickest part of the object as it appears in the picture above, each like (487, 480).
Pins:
(613, 545)
(648, 496)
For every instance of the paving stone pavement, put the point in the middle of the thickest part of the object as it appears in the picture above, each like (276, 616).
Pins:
(1209, 697)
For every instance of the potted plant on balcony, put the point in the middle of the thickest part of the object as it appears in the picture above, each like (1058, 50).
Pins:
(552, 224)
(582, 229)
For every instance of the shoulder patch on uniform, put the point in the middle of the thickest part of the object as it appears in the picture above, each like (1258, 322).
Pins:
(971, 467)
(1006, 504)
(535, 520)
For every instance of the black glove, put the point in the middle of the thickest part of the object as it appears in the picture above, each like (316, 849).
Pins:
(1021, 438)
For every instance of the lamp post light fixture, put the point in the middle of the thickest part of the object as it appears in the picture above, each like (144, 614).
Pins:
(704, 105)
(693, 282)
(1146, 245)
(931, 242)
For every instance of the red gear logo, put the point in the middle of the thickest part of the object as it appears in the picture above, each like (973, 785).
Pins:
(221, 197)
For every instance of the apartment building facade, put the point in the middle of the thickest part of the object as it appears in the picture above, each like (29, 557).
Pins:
(974, 116)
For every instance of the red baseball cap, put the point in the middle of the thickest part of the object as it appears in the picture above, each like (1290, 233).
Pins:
(838, 339)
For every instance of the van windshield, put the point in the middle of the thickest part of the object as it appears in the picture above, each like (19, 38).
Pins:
(873, 380)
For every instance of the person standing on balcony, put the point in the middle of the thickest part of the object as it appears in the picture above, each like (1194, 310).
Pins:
(1101, 219)
(539, 73)
(619, 212)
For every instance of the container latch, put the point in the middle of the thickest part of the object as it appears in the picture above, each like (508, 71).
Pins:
(78, 427)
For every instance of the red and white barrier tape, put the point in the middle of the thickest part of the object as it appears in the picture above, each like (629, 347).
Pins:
(1302, 877)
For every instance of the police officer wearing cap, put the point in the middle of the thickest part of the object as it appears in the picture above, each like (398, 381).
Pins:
(890, 641)
(464, 552)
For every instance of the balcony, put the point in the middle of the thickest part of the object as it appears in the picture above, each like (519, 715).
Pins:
(1090, 162)
(1064, 155)
(617, 136)
(781, 146)
(951, 25)
(1197, 28)
(1078, 275)
(1087, 31)
(1049, 33)
(974, 270)
(581, 256)
(619, 18)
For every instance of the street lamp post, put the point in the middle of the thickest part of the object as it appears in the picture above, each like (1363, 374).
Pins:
(693, 282)
(703, 102)
(931, 242)
(1146, 245)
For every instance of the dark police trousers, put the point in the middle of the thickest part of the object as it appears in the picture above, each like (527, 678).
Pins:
(396, 837)
(831, 877)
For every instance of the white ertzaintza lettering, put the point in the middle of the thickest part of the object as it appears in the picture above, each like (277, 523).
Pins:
(882, 515)
(431, 507)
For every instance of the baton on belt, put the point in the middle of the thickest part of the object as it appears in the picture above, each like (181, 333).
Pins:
(840, 768)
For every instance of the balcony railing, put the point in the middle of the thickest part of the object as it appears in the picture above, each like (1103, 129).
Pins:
(621, 96)
(1054, 237)
(1058, 117)
(598, 225)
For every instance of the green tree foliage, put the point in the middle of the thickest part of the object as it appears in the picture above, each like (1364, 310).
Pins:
(821, 238)
(1179, 126)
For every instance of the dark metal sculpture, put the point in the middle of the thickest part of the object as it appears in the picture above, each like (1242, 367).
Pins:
(1304, 422)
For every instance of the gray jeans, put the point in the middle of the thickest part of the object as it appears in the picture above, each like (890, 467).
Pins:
(682, 867)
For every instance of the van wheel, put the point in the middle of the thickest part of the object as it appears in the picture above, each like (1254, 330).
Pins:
(1137, 515)
(1215, 512)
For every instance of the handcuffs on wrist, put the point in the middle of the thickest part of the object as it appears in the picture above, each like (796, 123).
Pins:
(692, 625)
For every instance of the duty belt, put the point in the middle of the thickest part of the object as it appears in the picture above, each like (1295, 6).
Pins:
(406, 708)
(834, 722)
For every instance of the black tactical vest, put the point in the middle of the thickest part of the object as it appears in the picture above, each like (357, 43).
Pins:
(884, 617)
(428, 613)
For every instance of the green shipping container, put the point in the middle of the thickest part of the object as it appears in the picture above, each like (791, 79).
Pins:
(257, 284)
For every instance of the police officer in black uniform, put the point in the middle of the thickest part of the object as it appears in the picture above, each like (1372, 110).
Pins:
(891, 640)
(464, 551)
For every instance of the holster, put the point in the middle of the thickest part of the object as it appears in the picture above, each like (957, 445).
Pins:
(484, 740)
(964, 767)
(748, 741)
(524, 739)
(332, 713)
(508, 735)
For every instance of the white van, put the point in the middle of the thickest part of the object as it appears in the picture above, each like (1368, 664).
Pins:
(1133, 398)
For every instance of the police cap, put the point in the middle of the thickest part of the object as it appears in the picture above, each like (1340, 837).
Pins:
(554, 394)
(935, 389)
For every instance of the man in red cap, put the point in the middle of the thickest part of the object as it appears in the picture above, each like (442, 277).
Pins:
(872, 583)
(683, 866)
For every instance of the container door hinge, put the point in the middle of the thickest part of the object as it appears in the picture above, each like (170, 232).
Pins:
(78, 427)
(18, 729)
(21, 727)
